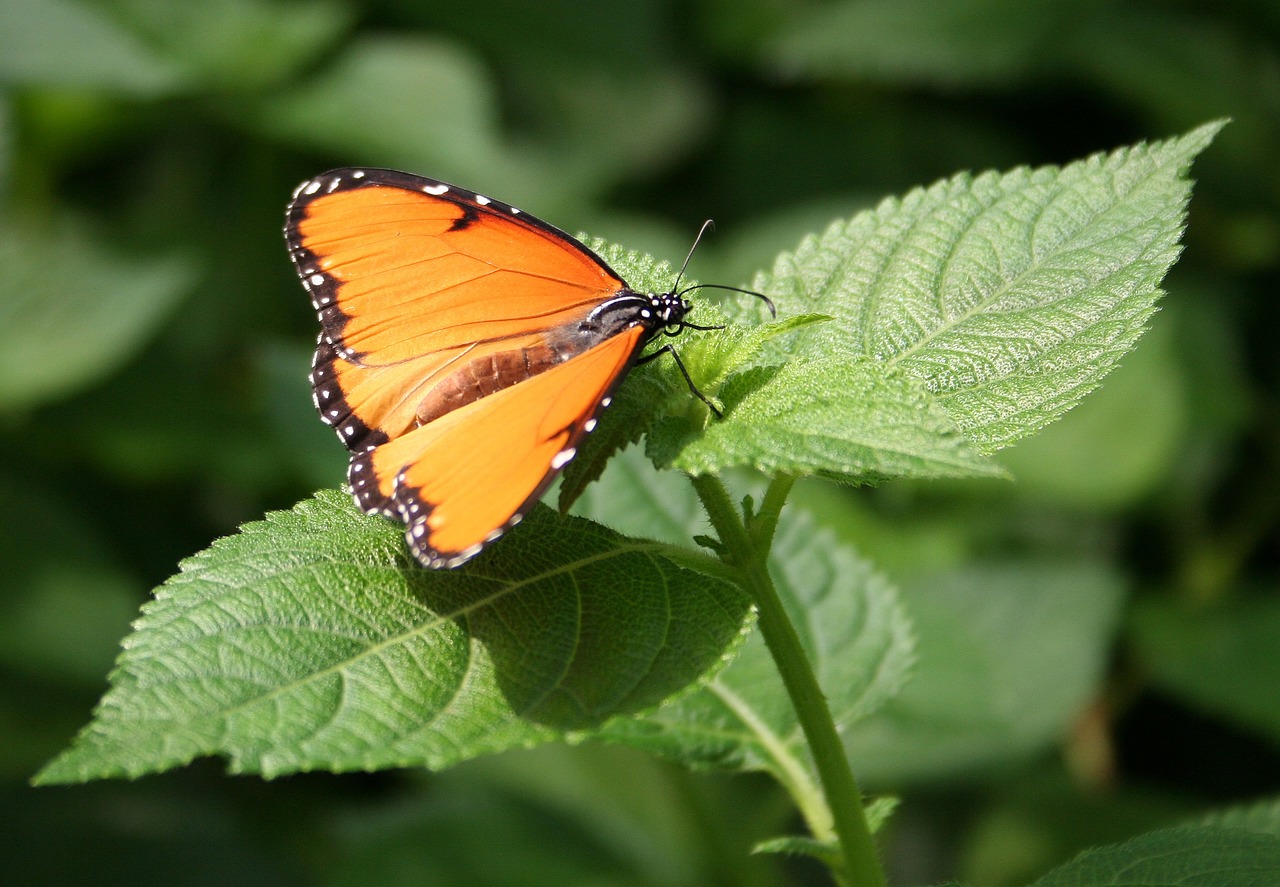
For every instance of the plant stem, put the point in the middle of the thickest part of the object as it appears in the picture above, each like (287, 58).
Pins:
(861, 861)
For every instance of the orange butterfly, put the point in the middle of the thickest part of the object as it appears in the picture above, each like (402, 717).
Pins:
(466, 348)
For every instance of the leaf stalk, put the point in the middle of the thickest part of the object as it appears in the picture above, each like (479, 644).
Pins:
(749, 557)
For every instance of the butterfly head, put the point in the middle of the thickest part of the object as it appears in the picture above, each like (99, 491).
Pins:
(666, 311)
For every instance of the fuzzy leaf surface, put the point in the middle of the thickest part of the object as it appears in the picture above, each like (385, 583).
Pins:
(1008, 296)
(312, 640)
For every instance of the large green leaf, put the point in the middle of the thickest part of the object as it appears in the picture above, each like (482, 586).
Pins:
(312, 640)
(1007, 296)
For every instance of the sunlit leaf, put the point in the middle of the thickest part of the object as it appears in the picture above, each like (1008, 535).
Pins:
(312, 640)
(852, 420)
(1006, 296)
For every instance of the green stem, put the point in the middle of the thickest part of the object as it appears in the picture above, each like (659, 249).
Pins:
(861, 861)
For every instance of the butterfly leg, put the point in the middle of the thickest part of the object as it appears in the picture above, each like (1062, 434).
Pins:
(667, 349)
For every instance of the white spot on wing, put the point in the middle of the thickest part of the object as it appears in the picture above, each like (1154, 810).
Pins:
(482, 200)
(436, 189)
(312, 187)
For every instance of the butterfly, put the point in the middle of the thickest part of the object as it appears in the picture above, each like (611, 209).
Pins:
(466, 348)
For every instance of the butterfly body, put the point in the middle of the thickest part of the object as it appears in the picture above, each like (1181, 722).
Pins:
(465, 348)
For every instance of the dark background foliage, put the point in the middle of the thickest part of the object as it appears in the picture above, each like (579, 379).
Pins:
(153, 393)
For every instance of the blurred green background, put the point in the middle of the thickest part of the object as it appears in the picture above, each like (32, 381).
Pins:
(153, 391)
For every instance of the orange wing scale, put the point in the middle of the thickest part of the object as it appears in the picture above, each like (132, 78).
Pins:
(416, 281)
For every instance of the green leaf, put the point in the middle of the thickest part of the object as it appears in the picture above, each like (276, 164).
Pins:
(73, 311)
(859, 641)
(1120, 444)
(312, 640)
(1008, 656)
(1221, 659)
(1185, 857)
(849, 420)
(1007, 296)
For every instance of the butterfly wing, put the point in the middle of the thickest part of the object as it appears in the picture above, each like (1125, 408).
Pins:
(463, 479)
(439, 309)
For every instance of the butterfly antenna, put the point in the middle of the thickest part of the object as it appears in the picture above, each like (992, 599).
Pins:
(733, 289)
(706, 226)
(709, 225)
